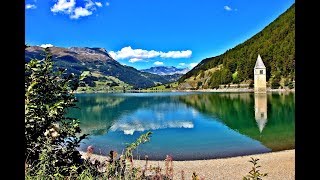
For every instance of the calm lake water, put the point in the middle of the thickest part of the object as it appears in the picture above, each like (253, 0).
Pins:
(193, 125)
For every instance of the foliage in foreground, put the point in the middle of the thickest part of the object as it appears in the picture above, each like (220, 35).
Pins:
(255, 174)
(50, 137)
(113, 168)
(122, 167)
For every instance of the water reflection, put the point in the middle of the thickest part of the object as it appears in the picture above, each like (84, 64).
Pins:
(268, 118)
(260, 109)
(156, 115)
(211, 124)
(128, 113)
(138, 125)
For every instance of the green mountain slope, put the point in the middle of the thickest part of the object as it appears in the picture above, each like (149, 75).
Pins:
(97, 61)
(276, 45)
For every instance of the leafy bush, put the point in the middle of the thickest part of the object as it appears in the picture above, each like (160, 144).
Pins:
(50, 137)
(112, 168)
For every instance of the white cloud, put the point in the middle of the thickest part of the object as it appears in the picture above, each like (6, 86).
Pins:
(227, 8)
(30, 6)
(63, 6)
(133, 60)
(113, 54)
(99, 4)
(184, 65)
(107, 4)
(139, 54)
(176, 54)
(89, 4)
(46, 45)
(158, 63)
(69, 7)
(192, 65)
(79, 12)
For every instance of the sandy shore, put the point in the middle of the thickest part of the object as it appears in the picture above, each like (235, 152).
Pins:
(279, 166)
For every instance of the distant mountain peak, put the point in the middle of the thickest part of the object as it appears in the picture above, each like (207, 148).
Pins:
(75, 54)
(165, 70)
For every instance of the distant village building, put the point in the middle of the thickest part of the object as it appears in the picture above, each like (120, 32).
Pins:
(260, 110)
(260, 83)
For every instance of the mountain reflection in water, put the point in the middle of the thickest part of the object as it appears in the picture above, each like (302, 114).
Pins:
(211, 124)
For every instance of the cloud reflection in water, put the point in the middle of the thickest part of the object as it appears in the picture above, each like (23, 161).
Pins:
(139, 125)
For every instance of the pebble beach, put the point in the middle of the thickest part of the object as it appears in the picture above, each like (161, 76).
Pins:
(279, 166)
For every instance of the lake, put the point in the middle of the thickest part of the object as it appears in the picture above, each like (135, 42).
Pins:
(188, 125)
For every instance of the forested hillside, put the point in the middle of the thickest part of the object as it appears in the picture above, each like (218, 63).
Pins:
(276, 45)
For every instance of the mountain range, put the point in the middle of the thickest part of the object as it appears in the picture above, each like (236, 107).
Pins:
(100, 64)
(166, 70)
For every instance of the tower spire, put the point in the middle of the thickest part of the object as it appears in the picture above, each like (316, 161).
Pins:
(259, 63)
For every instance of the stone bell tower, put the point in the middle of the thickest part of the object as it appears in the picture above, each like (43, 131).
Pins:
(260, 83)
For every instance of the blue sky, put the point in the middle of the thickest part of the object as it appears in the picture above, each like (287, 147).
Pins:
(145, 33)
